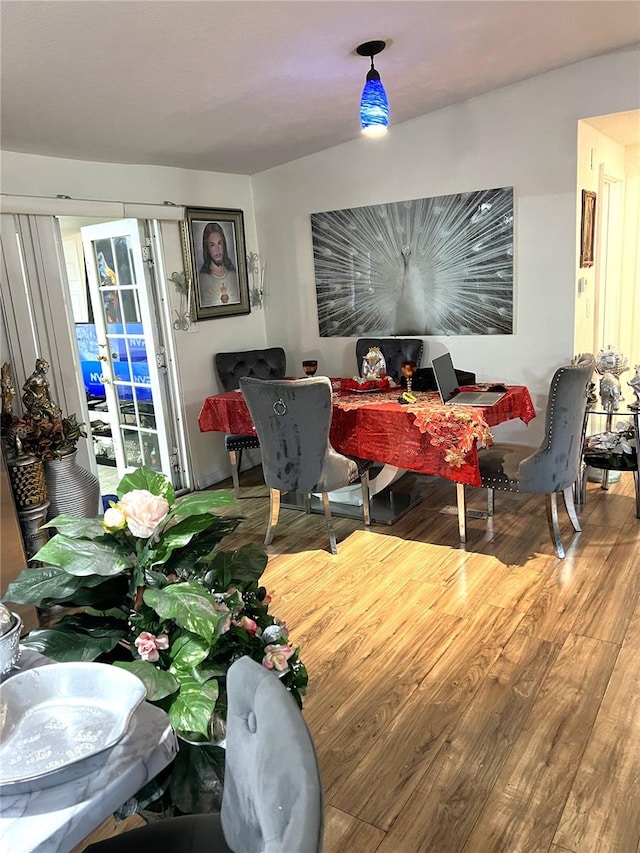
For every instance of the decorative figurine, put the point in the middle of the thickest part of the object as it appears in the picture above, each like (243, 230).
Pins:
(37, 395)
(610, 392)
(373, 364)
(611, 360)
(610, 364)
(635, 385)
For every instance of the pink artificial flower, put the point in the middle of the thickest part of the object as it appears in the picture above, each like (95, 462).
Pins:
(144, 512)
(276, 657)
(148, 644)
(248, 624)
(221, 607)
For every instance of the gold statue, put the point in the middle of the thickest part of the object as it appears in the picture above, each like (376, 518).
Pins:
(37, 396)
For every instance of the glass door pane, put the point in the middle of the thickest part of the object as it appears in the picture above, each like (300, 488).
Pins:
(127, 346)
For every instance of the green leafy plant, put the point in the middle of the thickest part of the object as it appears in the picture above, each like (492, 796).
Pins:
(147, 588)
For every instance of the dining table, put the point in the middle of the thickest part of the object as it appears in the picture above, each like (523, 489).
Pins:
(56, 819)
(373, 421)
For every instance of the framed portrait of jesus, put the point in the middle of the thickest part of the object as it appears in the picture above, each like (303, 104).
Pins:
(215, 261)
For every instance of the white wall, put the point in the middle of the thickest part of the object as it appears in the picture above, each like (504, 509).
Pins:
(523, 136)
(25, 174)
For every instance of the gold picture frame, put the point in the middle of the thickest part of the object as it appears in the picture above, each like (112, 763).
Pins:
(587, 228)
(215, 261)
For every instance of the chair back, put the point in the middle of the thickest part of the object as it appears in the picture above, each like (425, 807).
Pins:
(554, 467)
(394, 350)
(270, 363)
(292, 419)
(273, 799)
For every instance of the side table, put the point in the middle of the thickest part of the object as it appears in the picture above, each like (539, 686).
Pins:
(594, 460)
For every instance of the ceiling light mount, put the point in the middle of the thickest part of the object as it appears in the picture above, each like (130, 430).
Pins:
(371, 48)
(374, 105)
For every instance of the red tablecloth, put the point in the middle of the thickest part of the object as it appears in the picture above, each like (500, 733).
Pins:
(425, 436)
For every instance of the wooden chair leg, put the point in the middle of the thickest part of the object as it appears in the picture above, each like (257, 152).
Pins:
(366, 507)
(462, 512)
(274, 514)
(329, 520)
(636, 478)
(570, 507)
(235, 457)
(552, 520)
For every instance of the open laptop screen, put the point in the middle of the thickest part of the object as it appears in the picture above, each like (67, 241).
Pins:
(445, 376)
(447, 383)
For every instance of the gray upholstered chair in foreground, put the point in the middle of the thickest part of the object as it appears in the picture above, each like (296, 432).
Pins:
(292, 419)
(270, 363)
(394, 350)
(555, 465)
(272, 800)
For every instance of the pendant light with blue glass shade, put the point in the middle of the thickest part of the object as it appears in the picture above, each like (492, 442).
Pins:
(374, 104)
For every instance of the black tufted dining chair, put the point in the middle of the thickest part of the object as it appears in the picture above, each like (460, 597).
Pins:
(554, 466)
(270, 363)
(394, 350)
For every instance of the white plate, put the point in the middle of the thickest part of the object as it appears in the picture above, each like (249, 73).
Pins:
(56, 717)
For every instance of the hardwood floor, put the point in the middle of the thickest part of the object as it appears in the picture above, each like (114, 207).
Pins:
(484, 700)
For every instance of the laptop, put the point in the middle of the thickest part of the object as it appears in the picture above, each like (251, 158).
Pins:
(447, 382)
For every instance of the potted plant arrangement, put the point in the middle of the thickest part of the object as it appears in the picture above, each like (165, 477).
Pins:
(147, 588)
(42, 434)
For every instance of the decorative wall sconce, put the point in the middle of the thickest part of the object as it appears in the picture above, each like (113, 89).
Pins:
(374, 104)
(183, 314)
(256, 270)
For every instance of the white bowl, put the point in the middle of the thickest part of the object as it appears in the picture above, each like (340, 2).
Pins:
(10, 645)
(55, 719)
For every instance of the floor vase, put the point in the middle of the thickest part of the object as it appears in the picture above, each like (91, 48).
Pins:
(71, 489)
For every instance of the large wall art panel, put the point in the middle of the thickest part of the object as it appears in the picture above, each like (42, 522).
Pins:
(429, 266)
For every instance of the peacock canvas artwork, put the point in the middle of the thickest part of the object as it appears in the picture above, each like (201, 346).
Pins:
(429, 266)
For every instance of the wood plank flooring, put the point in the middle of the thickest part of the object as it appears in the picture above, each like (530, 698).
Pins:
(477, 700)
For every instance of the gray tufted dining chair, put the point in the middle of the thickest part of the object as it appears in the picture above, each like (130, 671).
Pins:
(394, 350)
(292, 419)
(553, 467)
(272, 799)
(270, 363)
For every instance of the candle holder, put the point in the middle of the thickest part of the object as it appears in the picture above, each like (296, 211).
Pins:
(408, 368)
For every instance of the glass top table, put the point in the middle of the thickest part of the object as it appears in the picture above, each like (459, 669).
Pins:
(60, 817)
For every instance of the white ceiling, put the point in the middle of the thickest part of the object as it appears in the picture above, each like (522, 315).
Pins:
(242, 85)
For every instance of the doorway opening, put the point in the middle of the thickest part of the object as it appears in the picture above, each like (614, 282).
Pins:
(118, 332)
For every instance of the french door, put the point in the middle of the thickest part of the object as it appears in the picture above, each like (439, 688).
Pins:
(131, 365)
